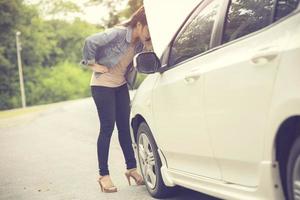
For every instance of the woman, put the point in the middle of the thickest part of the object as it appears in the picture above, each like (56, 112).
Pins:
(108, 54)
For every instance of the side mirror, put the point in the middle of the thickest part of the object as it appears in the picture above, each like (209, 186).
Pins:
(146, 62)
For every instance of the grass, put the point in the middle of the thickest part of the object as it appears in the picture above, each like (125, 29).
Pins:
(5, 114)
(21, 111)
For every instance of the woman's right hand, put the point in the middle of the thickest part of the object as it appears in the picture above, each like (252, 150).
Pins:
(99, 68)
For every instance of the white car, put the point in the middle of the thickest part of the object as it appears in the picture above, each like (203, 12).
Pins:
(219, 112)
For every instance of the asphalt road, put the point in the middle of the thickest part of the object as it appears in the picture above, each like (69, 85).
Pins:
(51, 154)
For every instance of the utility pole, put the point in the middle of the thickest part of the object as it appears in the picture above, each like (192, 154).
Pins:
(18, 33)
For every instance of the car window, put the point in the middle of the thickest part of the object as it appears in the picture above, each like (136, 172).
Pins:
(195, 36)
(285, 7)
(247, 16)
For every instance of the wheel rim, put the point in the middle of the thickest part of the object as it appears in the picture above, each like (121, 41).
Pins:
(147, 161)
(296, 179)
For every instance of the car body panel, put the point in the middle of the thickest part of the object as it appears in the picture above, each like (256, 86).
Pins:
(141, 104)
(183, 137)
(238, 93)
(286, 96)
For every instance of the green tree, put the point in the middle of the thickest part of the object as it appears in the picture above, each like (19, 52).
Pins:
(10, 15)
(45, 44)
(68, 39)
(63, 82)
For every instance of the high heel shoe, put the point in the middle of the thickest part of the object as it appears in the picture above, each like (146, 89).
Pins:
(106, 184)
(135, 175)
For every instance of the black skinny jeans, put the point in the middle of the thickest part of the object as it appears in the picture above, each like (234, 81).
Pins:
(113, 106)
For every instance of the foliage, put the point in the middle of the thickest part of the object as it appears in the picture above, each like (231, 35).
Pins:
(10, 15)
(44, 43)
(65, 81)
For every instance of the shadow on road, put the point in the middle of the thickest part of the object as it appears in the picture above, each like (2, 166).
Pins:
(186, 194)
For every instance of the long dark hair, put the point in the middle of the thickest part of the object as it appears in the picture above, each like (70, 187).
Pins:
(138, 16)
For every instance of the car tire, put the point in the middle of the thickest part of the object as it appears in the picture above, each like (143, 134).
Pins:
(150, 163)
(293, 172)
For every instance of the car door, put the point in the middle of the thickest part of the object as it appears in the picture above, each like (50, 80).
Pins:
(238, 89)
(178, 97)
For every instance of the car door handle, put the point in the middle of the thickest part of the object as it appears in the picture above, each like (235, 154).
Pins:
(192, 77)
(264, 57)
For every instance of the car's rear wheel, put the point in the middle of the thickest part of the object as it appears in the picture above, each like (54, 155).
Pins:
(150, 163)
(293, 172)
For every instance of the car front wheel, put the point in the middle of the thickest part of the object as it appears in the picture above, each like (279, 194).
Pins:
(150, 163)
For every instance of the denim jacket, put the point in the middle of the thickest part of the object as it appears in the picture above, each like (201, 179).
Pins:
(106, 48)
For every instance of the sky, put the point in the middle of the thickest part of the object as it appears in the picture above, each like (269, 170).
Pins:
(93, 14)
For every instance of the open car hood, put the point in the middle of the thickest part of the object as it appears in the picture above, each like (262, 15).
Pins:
(164, 18)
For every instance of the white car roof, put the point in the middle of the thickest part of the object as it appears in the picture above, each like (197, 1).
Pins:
(164, 18)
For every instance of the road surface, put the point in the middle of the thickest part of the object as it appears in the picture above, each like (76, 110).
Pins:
(51, 155)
